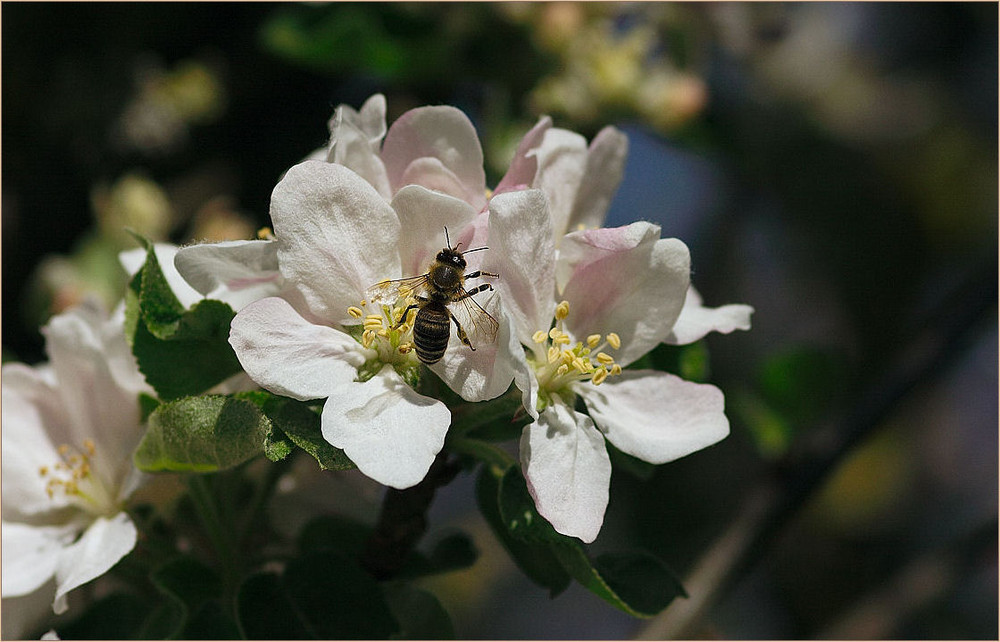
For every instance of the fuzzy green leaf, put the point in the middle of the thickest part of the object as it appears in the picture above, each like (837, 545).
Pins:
(201, 434)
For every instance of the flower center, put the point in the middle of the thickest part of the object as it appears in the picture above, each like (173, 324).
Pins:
(391, 339)
(72, 477)
(567, 363)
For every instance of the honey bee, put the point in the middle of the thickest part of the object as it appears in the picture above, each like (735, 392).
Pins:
(441, 298)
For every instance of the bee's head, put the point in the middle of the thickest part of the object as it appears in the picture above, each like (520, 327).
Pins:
(452, 257)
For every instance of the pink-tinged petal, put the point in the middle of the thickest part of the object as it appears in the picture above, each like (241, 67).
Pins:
(568, 471)
(31, 555)
(696, 320)
(655, 416)
(133, 260)
(440, 132)
(100, 547)
(99, 407)
(523, 254)
(432, 174)
(601, 177)
(290, 356)
(336, 237)
(524, 166)
(424, 215)
(389, 430)
(486, 372)
(355, 138)
(236, 272)
(31, 408)
(562, 159)
(624, 280)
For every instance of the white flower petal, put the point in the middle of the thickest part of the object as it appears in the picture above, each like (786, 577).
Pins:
(336, 237)
(562, 159)
(568, 471)
(625, 280)
(696, 320)
(355, 138)
(523, 254)
(31, 555)
(440, 132)
(656, 416)
(236, 272)
(389, 430)
(30, 405)
(432, 174)
(524, 166)
(424, 215)
(133, 260)
(601, 177)
(100, 547)
(290, 356)
(99, 408)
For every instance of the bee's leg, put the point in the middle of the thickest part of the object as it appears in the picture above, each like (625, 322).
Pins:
(479, 288)
(477, 273)
(461, 331)
(406, 313)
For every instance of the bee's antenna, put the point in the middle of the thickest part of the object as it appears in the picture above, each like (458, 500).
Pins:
(446, 239)
(476, 249)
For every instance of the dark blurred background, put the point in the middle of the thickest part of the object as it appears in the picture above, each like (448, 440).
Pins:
(833, 165)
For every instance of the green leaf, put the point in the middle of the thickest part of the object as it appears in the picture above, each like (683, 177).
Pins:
(265, 611)
(147, 404)
(201, 434)
(535, 559)
(452, 553)
(419, 613)
(517, 509)
(192, 360)
(336, 599)
(302, 426)
(637, 583)
(481, 451)
(334, 533)
(188, 585)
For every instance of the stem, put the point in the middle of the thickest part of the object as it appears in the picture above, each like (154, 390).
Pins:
(403, 521)
(211, 520)
(778, 497)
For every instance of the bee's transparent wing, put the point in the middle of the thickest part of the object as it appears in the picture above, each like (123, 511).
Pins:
(388, 292)
(480, 326)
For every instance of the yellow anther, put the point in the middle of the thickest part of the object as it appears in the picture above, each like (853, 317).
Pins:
(599, 376)
(554, 354)
(614, 340)
(593, 340)
(404, 348)
(368, 338)
(355, 312)
(559, 337)
(580, 365)
(539, 337)
(605, 359)
(383, 332)
(43, 470)
(562, 310)
(373, 317)
(265, 234)
(561, 370)
(567, 357)
(616, 369)
(489, 193)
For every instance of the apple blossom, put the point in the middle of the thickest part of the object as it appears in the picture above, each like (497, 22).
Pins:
(69, 429)
(621, 293)
(336, 236)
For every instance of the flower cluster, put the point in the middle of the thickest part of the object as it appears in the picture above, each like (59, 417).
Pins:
(576, 303)
(327, 309)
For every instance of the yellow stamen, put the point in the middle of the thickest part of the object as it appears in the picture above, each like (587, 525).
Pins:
(616, 369)
(265, 234)
(614, 340)
(562, 310)
(593, 340)
(605, 359)
(561, 370)
(355, 312)
(404, 348)
(539, 337)
(553, 354)
(599, 376)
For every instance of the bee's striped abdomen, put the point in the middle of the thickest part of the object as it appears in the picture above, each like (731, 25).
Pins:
(431, 331)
